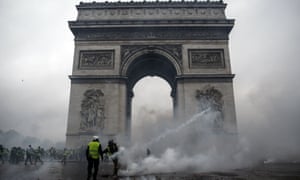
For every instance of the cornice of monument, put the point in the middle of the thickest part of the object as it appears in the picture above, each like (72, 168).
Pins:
(190, 76)
(161, 22)
(97, 78)
(151, 10)
(152, 33)
(156, 20)
(206, 77)
(147, 4)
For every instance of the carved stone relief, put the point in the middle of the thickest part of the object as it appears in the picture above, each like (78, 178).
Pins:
(100, 59)
(174, 50)
(92, 110)
(151, 13)
(203, 58)
(211, 99)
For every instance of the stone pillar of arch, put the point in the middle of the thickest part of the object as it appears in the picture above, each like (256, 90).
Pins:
(118, 43)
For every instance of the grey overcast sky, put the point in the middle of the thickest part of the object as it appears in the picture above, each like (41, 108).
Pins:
(36, 49)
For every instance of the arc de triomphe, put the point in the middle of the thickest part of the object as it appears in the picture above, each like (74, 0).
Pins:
(118, 43)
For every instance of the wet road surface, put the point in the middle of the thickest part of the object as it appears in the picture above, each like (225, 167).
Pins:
(78, 171)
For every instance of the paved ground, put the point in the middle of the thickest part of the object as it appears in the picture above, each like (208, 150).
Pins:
(77, 171)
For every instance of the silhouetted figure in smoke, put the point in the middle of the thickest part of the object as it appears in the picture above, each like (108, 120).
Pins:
(29, 154)
(66, 153)
(38, 155)
(52, 153)
(2, 153)
(148, 152)
(16, 155)
(111, 150)
(81, 153)
(93, 153)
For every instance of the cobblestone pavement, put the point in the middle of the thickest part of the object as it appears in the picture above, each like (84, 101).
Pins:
(77, 171)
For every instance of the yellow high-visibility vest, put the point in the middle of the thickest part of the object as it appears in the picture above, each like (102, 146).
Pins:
(93, 149)
(108, 151)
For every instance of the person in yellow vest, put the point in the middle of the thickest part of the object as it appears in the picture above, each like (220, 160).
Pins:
(93, 153)
(112, 150)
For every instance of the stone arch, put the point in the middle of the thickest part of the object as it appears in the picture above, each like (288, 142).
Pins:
(174, 57)
(113, 51)
(153, 62)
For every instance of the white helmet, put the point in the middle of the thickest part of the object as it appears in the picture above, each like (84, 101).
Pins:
(95, 137)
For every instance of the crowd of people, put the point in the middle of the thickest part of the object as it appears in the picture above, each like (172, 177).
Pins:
(92, 152)
(32, 156)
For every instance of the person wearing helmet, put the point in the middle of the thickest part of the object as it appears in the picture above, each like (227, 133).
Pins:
(93, 153)
(111, 150)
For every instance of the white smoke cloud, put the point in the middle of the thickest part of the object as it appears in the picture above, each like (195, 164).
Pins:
(197, 147)
(194, 146)
(268, 132)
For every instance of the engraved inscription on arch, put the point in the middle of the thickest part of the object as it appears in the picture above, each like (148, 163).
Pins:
(206, 58)
(153, 34)
(99, 59)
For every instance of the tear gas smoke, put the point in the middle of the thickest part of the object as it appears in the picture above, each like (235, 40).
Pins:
(179, 128)
(197, 146)
(29, 172)
(194, 145)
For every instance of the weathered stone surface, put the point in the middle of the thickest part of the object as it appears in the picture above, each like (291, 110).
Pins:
(102, 59)
(117, 44)
(203, 58)
(150, 10)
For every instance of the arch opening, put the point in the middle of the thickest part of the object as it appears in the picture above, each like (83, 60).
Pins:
(152, 108)
(149, 64)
